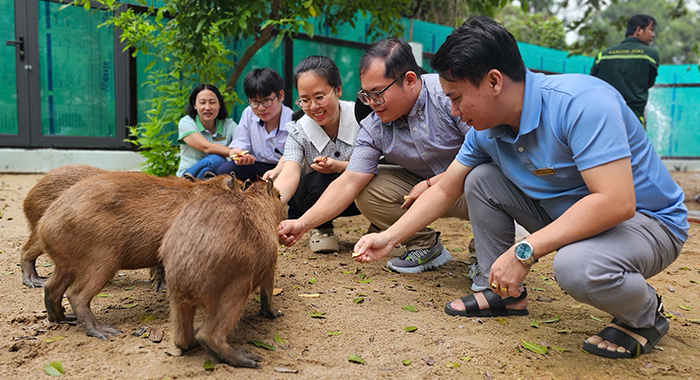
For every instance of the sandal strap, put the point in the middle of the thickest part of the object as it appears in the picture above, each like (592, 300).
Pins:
(496, 303)
(622, 339)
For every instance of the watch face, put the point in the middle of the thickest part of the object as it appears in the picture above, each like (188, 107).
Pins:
(523, 251)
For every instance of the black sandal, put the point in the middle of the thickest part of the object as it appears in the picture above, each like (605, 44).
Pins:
(497, 306)
(619, 334)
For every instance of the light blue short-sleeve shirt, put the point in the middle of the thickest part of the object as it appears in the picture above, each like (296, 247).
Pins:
(425, 142)
(252, 136)
(571, 123)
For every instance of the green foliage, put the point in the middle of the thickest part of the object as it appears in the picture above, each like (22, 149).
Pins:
(537, 29)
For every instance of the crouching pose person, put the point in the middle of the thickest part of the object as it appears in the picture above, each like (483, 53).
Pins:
(566, 158)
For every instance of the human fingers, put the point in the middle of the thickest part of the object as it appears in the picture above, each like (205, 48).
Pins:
(407, 201)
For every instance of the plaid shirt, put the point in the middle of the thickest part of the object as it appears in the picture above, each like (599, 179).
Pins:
(307, 140)
(425, 142)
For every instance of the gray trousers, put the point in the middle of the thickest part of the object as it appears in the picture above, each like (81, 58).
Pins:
(607, 271)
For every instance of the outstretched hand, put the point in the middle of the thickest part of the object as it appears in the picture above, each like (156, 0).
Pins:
(372, 247)
(290, 231)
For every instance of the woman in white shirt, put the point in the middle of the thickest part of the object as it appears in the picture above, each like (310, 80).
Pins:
(318, 146)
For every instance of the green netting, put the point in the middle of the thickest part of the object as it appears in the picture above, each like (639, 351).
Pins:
(8, 77)
(673, 115)
(76, 71)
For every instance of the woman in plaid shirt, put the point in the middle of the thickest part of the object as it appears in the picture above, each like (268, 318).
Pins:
(318, 146)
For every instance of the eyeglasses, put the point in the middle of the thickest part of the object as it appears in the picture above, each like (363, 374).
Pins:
(376, 96)
(265, 102)
(320, 100)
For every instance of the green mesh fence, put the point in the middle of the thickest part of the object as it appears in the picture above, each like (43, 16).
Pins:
(8, 76)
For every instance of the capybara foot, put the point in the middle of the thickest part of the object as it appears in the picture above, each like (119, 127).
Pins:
(250, 356)
(101, 331)
(32, 279)
(270, 314)
(158, 278)
(186, 348)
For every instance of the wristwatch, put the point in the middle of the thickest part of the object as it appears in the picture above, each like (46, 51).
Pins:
(524, 252)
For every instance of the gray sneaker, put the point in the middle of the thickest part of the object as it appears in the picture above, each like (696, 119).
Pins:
(419, 260)
(479, 282)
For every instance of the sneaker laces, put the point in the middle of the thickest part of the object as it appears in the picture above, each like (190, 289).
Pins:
(414, 255)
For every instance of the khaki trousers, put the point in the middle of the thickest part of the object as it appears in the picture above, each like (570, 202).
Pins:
(380, 202)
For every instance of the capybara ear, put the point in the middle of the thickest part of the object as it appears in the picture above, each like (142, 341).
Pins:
(270, 187)
(247, 184)
(189, 177)
(232, 174)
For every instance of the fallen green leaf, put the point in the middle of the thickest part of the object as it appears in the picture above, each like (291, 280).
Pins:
(466, 358)
(452, 365)
(552, 320)
(391, 279)
(539, 289)
(346, 272)
(406, 362)
(103, 295)
(536, 348)
(362, 276)
(361, 295)
(318, 314)
(501, 320)
(560, 349)
(312, 281)
(279, 340)
(534, 324)
(312, 258)
(51, 340)
(596, 318)
(129, 306)
(257, 299)
(577, 306)
(683, 307)
(46, 265)
(207, 365)
(534, 269)
(367, 281)
(359, 300)
(670, 316)
(410, 308)
(694, 282)
(54, 369)
(565, 331)
(129, 287)
(333, 333)
(260, 344)
(684, 268)
(7, 273)
(458, 249)
(410, 288)
(410, 328)
(356, 359)
(148, 317)
(543, 277)
(694, 320)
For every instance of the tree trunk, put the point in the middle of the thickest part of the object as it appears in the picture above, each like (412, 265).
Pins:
(258, 42)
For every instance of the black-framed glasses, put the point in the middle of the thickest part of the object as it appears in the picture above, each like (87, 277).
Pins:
(320, 100)
(376, 96)
(265, 102)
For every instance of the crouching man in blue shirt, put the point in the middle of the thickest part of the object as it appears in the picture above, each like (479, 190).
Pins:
(566, 158)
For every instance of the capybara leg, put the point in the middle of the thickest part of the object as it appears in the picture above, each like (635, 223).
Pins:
(53, 295)
(182, 315)
(158, 278)
(266, 298)
(217, 323)
(30, 251)
(85, 288)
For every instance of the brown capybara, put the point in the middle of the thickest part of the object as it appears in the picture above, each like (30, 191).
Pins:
(108, 222)
(219, 249)
(39, 198)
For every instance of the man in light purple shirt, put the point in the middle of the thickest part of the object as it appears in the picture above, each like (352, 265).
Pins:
(412, 128)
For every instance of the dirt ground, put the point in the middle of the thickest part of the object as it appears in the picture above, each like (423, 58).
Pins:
(440, 347)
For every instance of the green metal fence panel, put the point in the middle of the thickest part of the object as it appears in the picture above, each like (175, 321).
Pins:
(673, 115)
(76, 71)
(8, 69)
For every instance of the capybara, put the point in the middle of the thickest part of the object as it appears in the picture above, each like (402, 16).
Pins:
(219, 249)
(108, 222)
(39, 198)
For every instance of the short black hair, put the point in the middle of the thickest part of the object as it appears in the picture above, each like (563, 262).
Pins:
(262, 82)
(639, 21)
(478, 46)
(192, 111)
(397, 56)
(322, 66)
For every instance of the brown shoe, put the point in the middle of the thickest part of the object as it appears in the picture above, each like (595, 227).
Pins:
(323, 241)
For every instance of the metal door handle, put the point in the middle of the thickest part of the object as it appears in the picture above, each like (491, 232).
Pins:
(18, 44)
